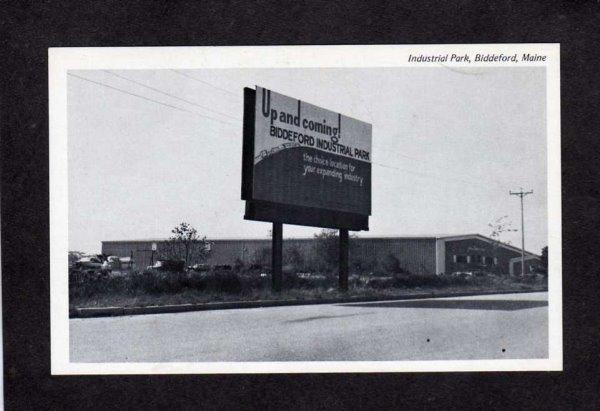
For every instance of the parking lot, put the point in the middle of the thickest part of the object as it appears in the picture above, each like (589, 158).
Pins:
(504, 326)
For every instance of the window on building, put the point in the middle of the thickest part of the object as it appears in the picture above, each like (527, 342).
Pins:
(477, 259)
(460, 258)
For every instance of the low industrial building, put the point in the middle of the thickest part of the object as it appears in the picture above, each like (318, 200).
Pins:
(415, 254)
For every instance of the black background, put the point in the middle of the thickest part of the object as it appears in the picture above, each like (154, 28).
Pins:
(28, 28)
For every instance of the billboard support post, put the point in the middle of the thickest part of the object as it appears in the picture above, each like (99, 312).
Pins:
(304, 165)
(276, 256)
(343, 261)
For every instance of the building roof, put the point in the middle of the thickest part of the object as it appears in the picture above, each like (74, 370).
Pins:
(447, 237)
(488, 240)
(383, 237)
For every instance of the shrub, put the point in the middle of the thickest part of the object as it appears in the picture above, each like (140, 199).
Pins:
(289, 269)
(238, 265)
(251, 282)
(220, 281)
(355, 281)
(88, 286)
(381, 282)
(391, 265)
(531, 279)
(293, 256)
(412, 281)
(307, 280)
(262, 257)
(157, 282)
(224, 282)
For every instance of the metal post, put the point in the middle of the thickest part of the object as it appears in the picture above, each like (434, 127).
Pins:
(276, 256)
(343, 260)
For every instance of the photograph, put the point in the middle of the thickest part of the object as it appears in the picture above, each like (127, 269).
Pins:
(284, 209)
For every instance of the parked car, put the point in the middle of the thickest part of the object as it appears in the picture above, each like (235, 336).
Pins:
(462, 274)
(199, 267)
(126, 263)
(89, 262)
(311, 276)
(175, 266)
(114, 262)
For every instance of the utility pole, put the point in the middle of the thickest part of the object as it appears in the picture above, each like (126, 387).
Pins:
(522, 194)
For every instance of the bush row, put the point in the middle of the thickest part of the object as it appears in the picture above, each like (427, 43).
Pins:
(230, 282)
(161, 282)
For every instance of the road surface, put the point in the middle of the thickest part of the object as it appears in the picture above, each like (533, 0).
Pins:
(478, 327)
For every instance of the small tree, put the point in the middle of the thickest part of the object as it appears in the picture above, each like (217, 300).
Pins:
(391, 265)
(327, 247)
(497, 228)
(293, 255)
(262, 257)
(185, 244)
(544, 262)
(238, 265)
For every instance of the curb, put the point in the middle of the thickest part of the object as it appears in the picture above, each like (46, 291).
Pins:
(164, 309)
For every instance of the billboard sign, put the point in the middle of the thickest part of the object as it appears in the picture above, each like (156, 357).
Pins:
(307, 156)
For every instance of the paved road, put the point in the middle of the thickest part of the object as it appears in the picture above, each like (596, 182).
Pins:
(481, 327)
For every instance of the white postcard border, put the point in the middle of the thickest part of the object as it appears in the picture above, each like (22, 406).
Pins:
(63, 59)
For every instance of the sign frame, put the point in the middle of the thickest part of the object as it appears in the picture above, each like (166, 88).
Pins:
(259, 210)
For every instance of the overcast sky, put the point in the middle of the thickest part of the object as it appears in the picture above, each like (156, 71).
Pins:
(448, 145)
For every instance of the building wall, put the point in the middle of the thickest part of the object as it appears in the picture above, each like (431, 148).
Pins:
(141, 251)
(532, 265)
(416, 255)
(476, 247)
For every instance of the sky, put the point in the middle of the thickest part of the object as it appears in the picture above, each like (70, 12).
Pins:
(149, 149)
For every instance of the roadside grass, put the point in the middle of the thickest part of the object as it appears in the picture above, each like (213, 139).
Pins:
(139, 289)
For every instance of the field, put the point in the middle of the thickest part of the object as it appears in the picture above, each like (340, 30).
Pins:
(138, 289)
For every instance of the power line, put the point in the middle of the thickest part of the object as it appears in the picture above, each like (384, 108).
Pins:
(428, 175)
(131, 94)
(434, 166)
(205, 82)
(147, 98)
(234, 94)
(170, 95)
(409, 157)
